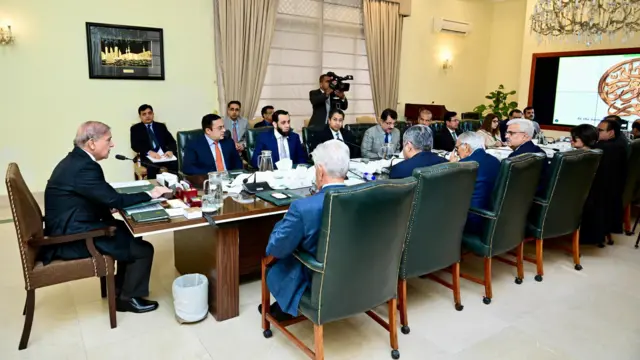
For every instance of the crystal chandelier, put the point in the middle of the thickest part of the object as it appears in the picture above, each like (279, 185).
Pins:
(585, 20)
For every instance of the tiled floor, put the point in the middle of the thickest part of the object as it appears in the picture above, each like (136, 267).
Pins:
(590, 314)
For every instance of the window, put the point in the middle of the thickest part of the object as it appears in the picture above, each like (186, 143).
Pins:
(313, 37)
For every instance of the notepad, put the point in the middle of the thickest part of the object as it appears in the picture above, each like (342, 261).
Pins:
(149, 216)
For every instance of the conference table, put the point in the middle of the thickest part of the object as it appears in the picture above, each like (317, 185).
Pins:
(223, 253)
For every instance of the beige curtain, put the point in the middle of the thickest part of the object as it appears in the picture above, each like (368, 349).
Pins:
(383, 37)
(244, 29)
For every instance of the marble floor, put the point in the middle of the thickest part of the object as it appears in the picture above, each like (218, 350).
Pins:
(590, 314)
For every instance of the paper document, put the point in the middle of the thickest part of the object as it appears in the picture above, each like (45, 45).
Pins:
(117, 185)
(140, 209)
(162, 159)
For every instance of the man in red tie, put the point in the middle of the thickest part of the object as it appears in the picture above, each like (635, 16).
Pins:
(211, 152)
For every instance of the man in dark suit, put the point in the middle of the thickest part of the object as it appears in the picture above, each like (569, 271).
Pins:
(324, 100)
(519, 135)
(335, 130)
(282, 142)
(267, 119)
(153, 139)
(78, 199)
(445, 138)
(416, 149)
(288, 279)
(513, 114)
(470, 147)
(211, 152)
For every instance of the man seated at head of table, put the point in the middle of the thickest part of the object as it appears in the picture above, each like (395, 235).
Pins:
(380, 135)
(470, 147)
(416, 148)
(282, 142)
(288, 279)
(78, 199)
(212, 151)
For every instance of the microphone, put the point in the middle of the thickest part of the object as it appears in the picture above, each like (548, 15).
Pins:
(255, 187)
(146, 163)
(247, 179)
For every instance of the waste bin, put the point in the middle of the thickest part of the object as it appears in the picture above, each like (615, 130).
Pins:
(190, 297)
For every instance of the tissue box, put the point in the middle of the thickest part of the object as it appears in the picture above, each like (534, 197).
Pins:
(167, 179)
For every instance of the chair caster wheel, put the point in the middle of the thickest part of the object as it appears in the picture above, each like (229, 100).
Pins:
(629, 233)
(578, 267)
(636, 246)
(405, 329)
(267, 333)
(486, 300)
(538, 278)
(459, 307)
(518, 280)
(395, 354)
(610, 242)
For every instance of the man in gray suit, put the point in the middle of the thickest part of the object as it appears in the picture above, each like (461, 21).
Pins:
(236, 124)
(381, 134)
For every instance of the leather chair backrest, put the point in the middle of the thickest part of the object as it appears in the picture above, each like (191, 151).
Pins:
(27, 217)
(309, 138)
(436, 126)
(360, 244)
(469, 125)
(183, 138)
(358, 130)
(511, 200)
(438, 215)
(470, 116)
(570, 176)
(252, 139)
(632, 184)
(402, 126)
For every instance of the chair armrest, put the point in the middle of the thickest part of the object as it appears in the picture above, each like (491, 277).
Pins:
(309, 261)
(484, 213)
(51, 240)
(540, 201)
(268, 260)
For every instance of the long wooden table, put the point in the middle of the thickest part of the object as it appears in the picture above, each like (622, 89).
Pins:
(223, 253)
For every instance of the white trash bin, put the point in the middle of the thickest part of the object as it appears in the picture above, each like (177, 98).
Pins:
(190, 297)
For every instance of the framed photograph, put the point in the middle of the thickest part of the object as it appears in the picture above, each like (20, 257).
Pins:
(125, 52)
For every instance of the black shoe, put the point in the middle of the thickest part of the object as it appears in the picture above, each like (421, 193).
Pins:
(277, 312)
(136, 305)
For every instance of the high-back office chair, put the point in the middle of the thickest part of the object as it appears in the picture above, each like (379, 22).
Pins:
(252, 139)
(506, 218)
(28, 221)
(434, 237)
(355, 268)
(310, 138)
(632, 184)
(558, 211)
(183, 138)
(358, 130)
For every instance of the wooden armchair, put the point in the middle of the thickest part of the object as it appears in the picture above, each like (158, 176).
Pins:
(28, 222)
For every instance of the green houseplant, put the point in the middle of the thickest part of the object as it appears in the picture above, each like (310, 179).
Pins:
(499, 103)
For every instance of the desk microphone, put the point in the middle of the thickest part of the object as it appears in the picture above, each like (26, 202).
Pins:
(255, 187)
(145, 163)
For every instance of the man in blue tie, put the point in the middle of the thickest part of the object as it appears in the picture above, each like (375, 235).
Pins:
(152, 139)
(211, 152)
(416, 149)
(288, 279)
(380, 135)
(282, 142)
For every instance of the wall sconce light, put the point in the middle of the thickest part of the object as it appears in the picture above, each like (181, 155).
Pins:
(6, 37)
(446, 65)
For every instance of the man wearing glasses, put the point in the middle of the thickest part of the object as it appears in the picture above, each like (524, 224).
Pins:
(378, 136)
(519, 135)
(211, 152)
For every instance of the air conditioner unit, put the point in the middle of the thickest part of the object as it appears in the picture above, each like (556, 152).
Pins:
(451, 26)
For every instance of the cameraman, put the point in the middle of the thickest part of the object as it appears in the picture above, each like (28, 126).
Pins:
(324, 100)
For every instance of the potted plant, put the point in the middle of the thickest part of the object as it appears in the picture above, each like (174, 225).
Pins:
(499, 103)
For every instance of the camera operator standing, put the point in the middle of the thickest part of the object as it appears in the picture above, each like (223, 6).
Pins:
(330, 96)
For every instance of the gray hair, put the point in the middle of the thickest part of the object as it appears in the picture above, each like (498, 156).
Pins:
(90, 130)
(473, 139)
(526, 126)
(419, 136)
(334, 157)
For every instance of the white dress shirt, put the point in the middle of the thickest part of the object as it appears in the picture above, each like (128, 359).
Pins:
(91, 156)
(282, 142)
(337, 135)
(213, 152)
(453, 134)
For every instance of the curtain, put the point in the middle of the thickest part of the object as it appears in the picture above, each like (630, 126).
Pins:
(383, 37)
(244, 29)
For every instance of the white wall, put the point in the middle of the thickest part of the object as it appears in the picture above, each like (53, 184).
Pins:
(46, 92)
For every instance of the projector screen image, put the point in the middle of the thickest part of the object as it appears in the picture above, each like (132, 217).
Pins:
(592, 87)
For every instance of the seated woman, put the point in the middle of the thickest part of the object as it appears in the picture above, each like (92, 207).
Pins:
(490, 131)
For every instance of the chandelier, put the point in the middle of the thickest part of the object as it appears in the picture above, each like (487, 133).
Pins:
(585, 20)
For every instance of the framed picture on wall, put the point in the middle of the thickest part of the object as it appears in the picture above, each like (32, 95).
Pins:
(125, 52)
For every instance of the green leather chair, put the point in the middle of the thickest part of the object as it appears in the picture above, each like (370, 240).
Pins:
(436, 126)
(402, 126)
(632, 184)
(434, 238)
(252, 139)
(558, 211)
(183, 138)
(355, 268)
(469, 125)
(358, 131)
(309, 139)
(505, 220)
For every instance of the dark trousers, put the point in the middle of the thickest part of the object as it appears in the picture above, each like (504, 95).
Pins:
(132, 278)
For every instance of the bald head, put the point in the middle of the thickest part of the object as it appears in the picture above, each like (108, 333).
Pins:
(94, 137)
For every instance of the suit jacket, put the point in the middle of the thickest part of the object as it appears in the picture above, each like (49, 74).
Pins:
(78, 199)
(267, 141)
(530, 147)
(198, 158)
(262, 123)
(318, 101)
(373, 140)
(422, 159)
(349, 139)
(299, 229)
(443, 139)
(488, 169)
(242, 126)
(503, 130)
(141, 142)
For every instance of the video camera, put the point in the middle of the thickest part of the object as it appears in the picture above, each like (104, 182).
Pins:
(338, 82)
